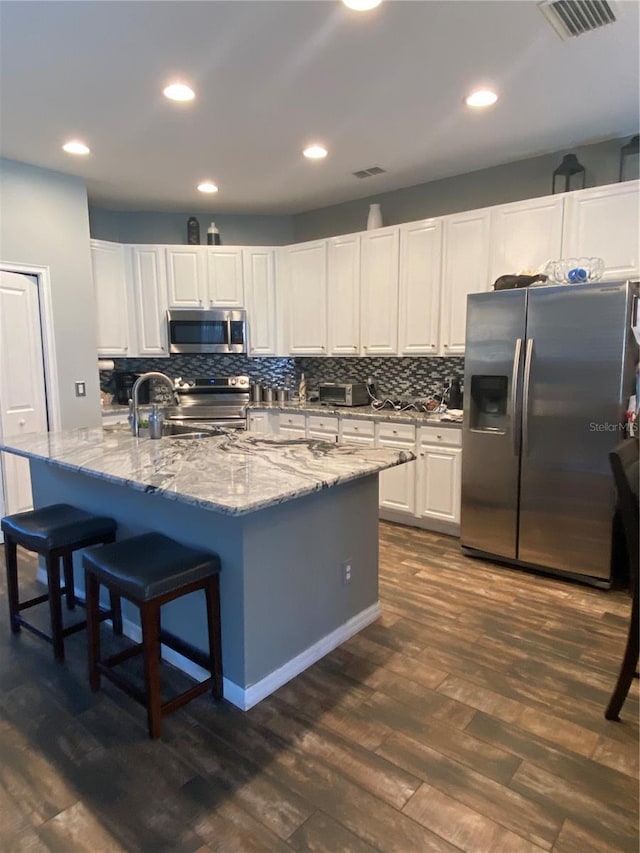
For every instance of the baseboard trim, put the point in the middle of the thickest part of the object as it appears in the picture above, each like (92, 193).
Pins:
(433, 524)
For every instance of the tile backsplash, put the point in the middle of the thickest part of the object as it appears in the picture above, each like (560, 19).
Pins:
(393, 376)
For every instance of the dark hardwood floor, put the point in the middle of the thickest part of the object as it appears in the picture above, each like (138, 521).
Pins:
(469, 717)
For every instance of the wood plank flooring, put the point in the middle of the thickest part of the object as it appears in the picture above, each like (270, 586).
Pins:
(468, 718)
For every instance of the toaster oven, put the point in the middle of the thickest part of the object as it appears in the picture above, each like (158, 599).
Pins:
(343, 393)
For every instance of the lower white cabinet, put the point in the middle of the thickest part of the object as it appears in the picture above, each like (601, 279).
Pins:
(357, 431)
(324, 427)
(293, 424)
(397, 485)
(264, 422)
(439, 475)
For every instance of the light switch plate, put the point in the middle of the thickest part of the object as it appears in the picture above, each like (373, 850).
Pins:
(81, 389)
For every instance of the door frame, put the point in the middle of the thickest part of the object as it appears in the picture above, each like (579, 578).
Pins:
(49, 358)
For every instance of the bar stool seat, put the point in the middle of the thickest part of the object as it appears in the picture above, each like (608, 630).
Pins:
(151, 570)
(54, 532)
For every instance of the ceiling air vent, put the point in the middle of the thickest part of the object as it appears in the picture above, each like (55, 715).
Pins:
(575, 17)
(367, 173)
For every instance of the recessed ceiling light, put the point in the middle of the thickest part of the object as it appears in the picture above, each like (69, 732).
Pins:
(179, 92)
(207, 187)
(361, 5)
(481, 98)
(315, 152)
(74, 146)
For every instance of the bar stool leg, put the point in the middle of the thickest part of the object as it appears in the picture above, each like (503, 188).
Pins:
(69, 587)
(55, 606)
(92, 588)
(212, 593)
(150, 619)
(11, 559)
(116, 612)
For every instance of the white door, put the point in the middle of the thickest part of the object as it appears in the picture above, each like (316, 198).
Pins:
(23, 406)
(343, 281)
(397, 490)
(439, 477)
(149, 284)
(226, 287)
(186, 276)
(524, 236)
(379, 291)
(420, 273)
(260, 295)
(307, 298)
(110, 285)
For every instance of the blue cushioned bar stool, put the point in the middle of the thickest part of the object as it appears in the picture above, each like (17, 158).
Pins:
(54, 532)
(151, 570)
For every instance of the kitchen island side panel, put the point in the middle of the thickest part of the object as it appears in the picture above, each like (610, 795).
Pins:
(282, 582)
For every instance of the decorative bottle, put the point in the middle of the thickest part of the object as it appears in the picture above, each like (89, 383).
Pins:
(213, 235)
(374, 219)
(302, 389)
(193, 231)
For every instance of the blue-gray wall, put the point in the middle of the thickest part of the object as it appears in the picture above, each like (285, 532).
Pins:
(44, 222)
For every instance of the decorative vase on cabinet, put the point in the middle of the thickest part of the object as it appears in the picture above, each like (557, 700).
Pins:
(374, 219)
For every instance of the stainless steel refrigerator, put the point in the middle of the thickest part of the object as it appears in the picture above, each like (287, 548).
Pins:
(548, 372)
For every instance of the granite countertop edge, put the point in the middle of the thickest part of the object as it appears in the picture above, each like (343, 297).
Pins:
(360, 412)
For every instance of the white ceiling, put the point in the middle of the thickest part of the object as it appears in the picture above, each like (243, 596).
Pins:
(382, 89)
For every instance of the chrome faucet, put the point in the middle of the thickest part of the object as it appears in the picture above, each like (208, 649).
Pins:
(134, 414)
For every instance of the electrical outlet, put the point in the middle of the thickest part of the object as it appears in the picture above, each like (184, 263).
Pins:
(346, 572)
(81, 389)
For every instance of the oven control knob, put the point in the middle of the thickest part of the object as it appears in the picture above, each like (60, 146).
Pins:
(233, 381)
(192, 383)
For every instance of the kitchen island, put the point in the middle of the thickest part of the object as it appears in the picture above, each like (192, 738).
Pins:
(293, 520)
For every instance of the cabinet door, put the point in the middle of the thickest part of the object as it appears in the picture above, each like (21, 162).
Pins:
(343, 279)
(525, 236)
(292, 424)
(323, 427)
(110, 286)
(604, 223)
(149, 286)
(225, 283)
(397, 485)
(307, 298)
(357, 431)
(186, 276)
(260, 422)
(379, 291)
(465, 271)
(439, 477)
(420, 273)
(260, 293)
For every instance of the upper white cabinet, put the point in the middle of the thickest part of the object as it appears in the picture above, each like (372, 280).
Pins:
(603, 223)
(224, 280)
(149, 285)
(186, 276)
(343, 293)
(379, 251)
(112, 298)
(205, 277)
(260, 295)
(524, 236)
(465, 271)
(306, 287)
(420, 274)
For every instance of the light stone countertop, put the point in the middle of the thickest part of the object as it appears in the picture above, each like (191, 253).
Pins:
(363, 412)
(234, 473)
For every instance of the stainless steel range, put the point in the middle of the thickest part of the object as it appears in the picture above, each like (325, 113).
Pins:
(219, 400)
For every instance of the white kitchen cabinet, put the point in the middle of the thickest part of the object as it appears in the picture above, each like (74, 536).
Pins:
(465, 271)
(420, 277)
(262, 421)
(292, 424)
(112, 298)
(603, 222)
(439, 476)
(260, 296)
(343, 293)
(186, 276)
(524, 236)
(225, 285)
(357, 431)
(397, 485)
(149, 286)
(379, 251)
(306, 288)
(323, 427)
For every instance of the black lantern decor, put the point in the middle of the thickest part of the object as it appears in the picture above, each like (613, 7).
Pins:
(629, 159)
(569, 175)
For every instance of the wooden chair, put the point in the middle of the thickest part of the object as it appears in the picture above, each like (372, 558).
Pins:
(624, 464)
(150, 570)
(54, 532)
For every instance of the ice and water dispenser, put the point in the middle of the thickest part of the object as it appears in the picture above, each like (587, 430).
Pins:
(488, 404)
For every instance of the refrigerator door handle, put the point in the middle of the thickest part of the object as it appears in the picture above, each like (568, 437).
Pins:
(525, 397)
(514, 396)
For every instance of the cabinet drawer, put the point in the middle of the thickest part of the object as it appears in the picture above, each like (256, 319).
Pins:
(292, 420)
(390, 431)
(323, 423)
(436, 435)
(352, 426)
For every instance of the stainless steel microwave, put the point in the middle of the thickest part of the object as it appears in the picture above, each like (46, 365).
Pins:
(343, 393)
(218, 330)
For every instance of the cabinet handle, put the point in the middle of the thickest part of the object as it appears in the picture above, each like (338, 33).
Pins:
(22, 422)
(422, 454)
(446, 346)
(395, 431)
(439, 436)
